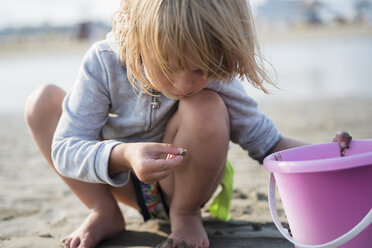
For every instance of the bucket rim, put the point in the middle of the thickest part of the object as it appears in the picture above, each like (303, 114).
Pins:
(318, 165)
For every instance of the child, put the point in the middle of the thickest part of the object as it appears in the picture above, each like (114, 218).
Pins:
(162, 81)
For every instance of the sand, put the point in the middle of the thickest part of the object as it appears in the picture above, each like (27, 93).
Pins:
(37, 209)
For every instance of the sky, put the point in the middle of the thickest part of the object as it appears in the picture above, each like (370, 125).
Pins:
(15, 13)
(18, 13)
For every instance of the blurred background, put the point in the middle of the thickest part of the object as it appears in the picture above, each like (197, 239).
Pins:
(317, 49)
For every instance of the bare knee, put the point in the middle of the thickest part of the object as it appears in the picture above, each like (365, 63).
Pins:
(206, 112)
(45, 102)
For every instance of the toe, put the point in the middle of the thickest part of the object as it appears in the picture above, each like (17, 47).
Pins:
(205, 244)
(65, 242)
(87, 241)
(75, 242)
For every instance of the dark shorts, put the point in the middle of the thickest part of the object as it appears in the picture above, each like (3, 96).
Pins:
(150, 199)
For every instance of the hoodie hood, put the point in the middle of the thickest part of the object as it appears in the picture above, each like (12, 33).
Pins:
(113, 43)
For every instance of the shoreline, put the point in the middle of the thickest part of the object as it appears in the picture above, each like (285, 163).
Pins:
(272, 34)
(58, 44)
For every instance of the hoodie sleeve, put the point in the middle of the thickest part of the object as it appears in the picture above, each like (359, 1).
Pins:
(249, 127)
(77, 150)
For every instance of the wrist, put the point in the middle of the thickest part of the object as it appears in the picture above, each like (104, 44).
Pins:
(286, 143)
(118, 162)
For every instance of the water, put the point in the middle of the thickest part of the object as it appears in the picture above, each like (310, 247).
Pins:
(312, 69)
(19, 76)
(319, 68)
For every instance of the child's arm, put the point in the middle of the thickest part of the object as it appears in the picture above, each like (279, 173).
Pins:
(343, 139)
(249, 127)
(78, 150)
(286, 143)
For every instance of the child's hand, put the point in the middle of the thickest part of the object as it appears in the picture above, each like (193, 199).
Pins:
(148, 160)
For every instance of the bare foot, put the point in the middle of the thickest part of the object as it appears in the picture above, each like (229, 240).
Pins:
(96, 227)
(188, 231)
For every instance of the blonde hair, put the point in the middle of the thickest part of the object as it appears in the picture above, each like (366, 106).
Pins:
(219, 33)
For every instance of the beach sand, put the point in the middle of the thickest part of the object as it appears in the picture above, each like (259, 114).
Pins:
(37, 209)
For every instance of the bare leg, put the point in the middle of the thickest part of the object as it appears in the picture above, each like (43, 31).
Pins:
(201, 125)
(42, 114)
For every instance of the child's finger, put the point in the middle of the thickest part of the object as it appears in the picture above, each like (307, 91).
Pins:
(157, 169)
(166, 164)
(161, 175)
(162, 168)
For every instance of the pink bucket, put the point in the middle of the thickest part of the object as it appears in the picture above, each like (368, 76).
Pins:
(327, 198)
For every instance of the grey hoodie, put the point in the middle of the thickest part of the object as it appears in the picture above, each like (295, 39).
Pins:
(103, 110)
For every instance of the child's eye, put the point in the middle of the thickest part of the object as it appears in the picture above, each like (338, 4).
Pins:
(198, 72)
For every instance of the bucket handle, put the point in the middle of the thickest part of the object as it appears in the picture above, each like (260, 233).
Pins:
(364, 223)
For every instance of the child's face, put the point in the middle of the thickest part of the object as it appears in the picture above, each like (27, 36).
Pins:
(185, 82)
